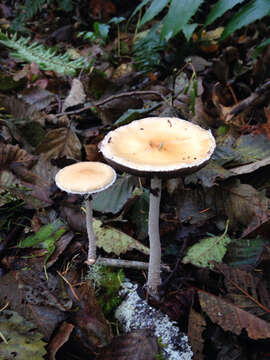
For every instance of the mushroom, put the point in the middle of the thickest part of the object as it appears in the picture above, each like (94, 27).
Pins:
(157, 148)
(86, 178)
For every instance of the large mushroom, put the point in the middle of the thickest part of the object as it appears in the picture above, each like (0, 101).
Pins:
(86, 178)
(157, 148)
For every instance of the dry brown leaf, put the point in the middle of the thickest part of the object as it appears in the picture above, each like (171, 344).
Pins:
(60, 142)
(196, 326)
(76, 95)
(232, 318)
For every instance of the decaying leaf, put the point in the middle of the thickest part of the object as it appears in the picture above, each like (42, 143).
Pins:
(136, 345)
(246, 290)
(59, 339)
(207, 250)
(115, 241)
(245, 206)
(60, 142)
(35, 298)
(232, 318)
(23, 339)
(13, 153)
(244, 251)
(196, 327)
(91, 330)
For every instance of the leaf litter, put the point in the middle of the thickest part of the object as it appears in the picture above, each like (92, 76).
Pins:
(48, 120)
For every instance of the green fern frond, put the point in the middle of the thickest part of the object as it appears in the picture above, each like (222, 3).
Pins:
(46, 58)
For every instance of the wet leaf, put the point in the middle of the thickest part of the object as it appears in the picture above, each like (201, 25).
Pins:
(60, 142)
(59, 339)
(114, 198)
(38, 98)
(139, 214)
(136, 345)
(134, 114)
(246, 290)
(45, 238)
(92, 330)
(196, 327)
(209, 175)
(35, 298)
(232, 318)
(115, 241)
(13, 153)
(244, 251)
(245, 206)
(207, 250)
(23, 339)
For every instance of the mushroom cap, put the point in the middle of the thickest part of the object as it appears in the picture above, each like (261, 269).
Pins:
(85, 177)
(161, 147)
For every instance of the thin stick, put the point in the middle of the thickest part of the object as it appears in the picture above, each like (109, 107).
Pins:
(111, 98)
(154, 279)
(140, 265)
(91, 258)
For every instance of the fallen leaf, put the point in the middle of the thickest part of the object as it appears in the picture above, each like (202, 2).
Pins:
(208, 250)
(76, 95)
(59, 339)
(196, 327)
(23, 341)
(60, 142)
(115, 241)
(232, 318)
(136, 345)
(114, 198)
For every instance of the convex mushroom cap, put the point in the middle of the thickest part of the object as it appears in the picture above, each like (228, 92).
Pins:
(85, 177)
(160, 147)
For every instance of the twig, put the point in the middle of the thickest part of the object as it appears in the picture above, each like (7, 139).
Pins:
(259, 94)
(126, 263)
(111, 98)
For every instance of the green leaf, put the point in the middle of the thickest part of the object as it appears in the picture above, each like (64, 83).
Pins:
(244, 252)
(135, 114)
(114, 198)
(155, 8)
(23, 341)
(254, 10)
(219, 9)
(138, 8)
(179, 14)
(209, 249)
(45, 238)
(188, 30)
(260, 47)
(115, 241)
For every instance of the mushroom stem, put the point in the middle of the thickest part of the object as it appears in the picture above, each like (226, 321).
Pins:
(91, 258)
(154, 279)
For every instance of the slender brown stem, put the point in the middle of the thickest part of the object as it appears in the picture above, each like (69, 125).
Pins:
(154, 279)
(91, 258)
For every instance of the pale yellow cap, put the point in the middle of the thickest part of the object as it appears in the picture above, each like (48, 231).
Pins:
(158, 145)
(85, 177)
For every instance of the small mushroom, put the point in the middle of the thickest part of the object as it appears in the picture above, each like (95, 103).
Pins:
(157, 148)
(86, 178)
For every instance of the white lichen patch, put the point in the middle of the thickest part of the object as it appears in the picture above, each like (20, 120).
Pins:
(134, 313)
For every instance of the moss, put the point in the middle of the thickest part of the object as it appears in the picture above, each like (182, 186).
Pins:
(107, 282)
